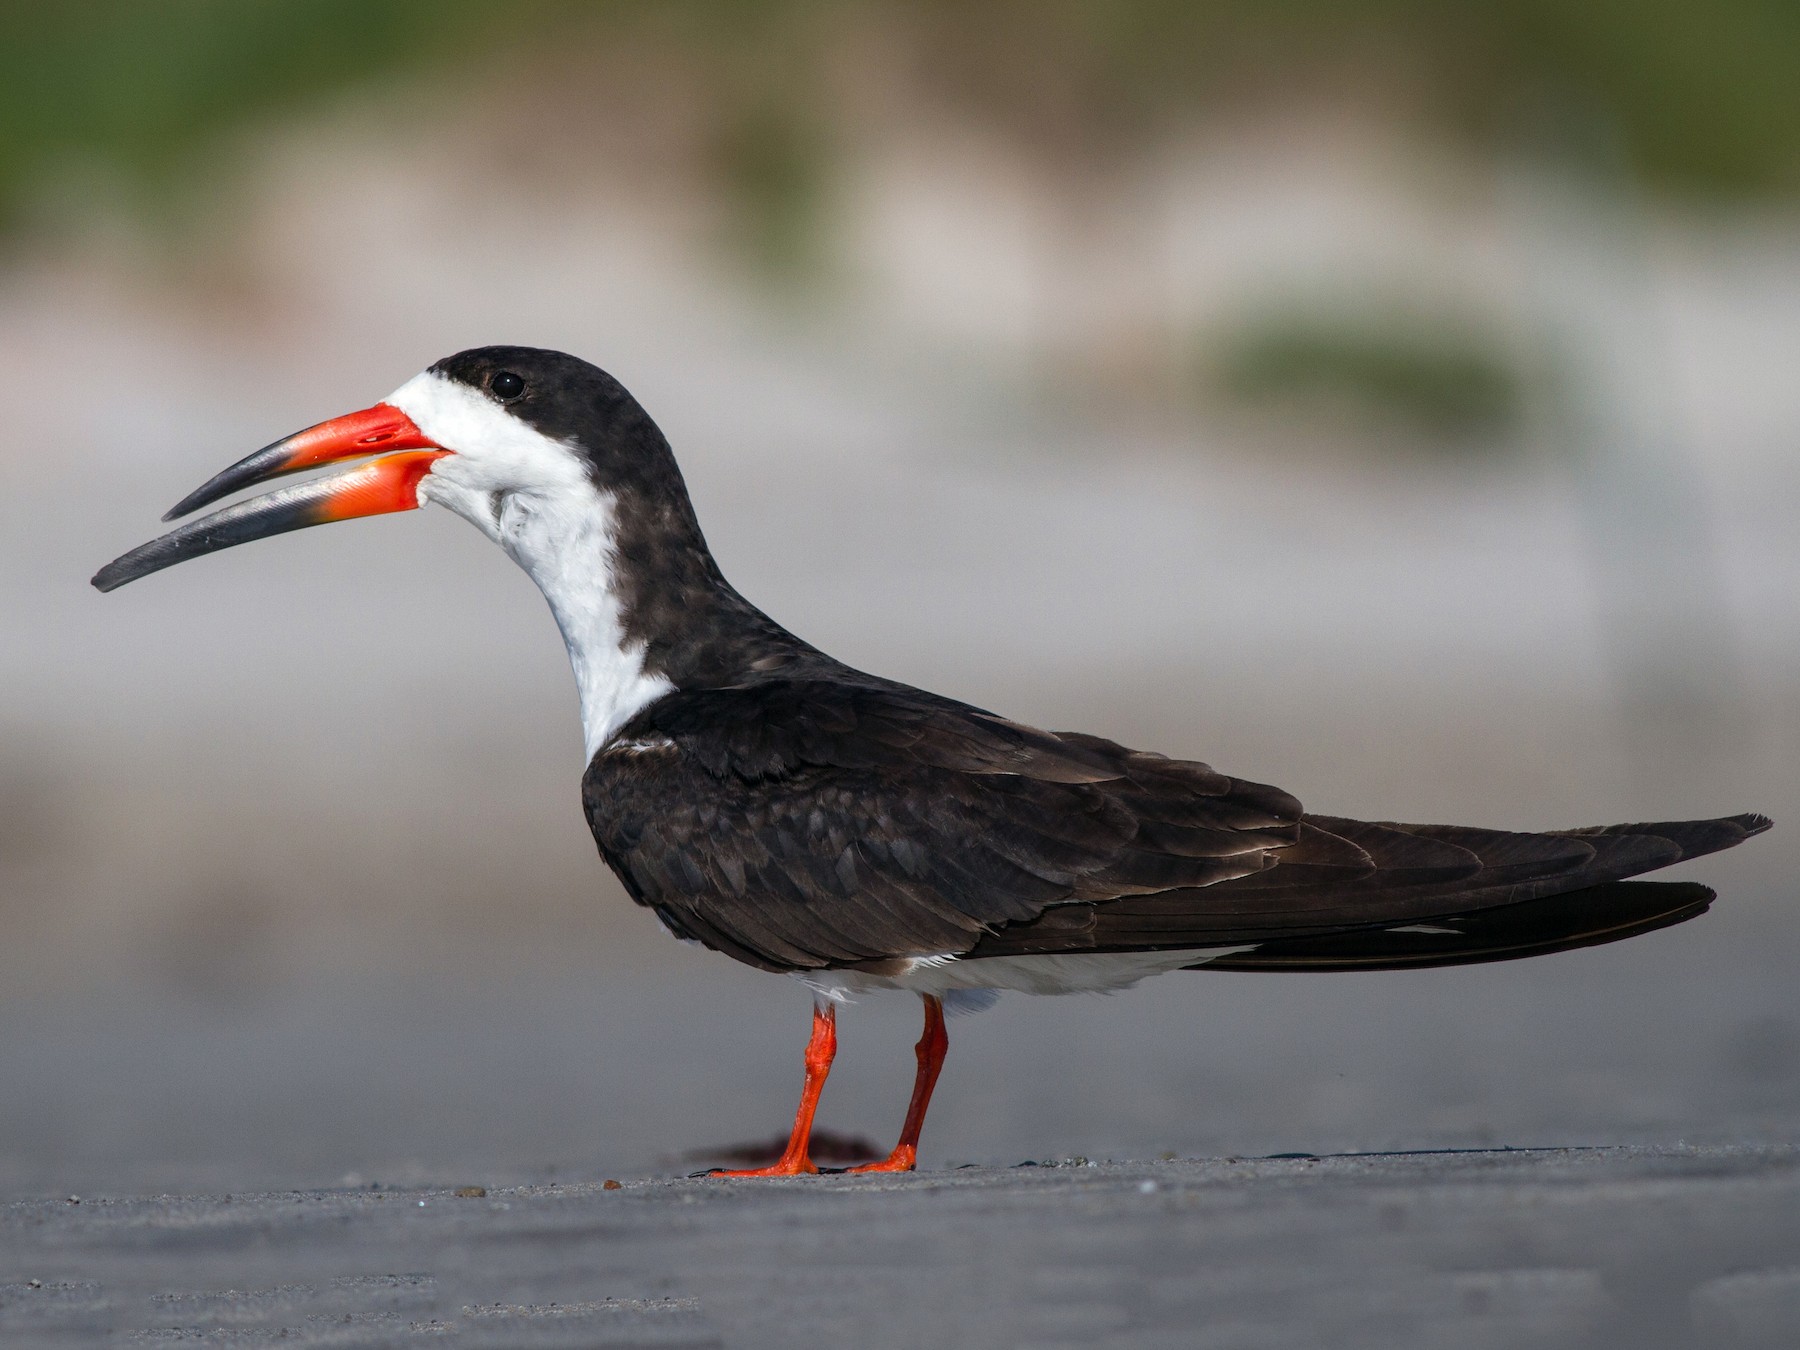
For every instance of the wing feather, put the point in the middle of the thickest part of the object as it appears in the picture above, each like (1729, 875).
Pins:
(810, 823)
(818, 823)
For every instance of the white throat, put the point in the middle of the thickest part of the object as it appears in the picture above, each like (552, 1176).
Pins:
(533, 496)
(565, 545)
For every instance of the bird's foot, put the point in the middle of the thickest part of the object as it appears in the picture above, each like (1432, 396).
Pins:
(786, 1167)
(902, 1159)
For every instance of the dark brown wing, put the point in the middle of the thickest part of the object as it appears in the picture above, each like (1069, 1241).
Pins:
(1349, 875)
(807, 824)
(1562, 922)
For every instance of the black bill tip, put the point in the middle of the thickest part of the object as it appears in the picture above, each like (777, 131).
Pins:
(114, 575)
(291, 508)
(266, 463)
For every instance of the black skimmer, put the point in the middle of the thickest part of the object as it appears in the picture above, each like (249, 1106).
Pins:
(775, 805)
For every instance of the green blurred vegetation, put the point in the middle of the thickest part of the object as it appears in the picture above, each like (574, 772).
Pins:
(1705, 95)
(142, 86)
(1448, 380)
(144, 94)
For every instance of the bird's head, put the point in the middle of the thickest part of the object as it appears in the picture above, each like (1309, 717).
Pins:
(489, 433)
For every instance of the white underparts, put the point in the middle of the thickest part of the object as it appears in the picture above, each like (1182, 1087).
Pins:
(533, 496)
(948, 976)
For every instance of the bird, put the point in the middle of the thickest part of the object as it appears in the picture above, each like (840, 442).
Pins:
(775, 805)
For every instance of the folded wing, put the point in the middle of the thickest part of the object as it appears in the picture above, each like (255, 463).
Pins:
(807, 824)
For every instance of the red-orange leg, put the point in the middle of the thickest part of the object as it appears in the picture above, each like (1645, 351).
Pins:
(933, 1044)
(820, 1051)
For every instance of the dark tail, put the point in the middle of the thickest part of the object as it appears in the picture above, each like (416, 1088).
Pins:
(1510, 916)
(1556, 923)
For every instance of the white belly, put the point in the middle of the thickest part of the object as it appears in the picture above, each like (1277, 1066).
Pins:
(948, 977)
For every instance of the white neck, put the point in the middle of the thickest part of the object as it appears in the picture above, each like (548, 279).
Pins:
(569, 554)
(533, 497)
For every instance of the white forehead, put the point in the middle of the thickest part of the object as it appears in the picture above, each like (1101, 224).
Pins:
(495, 447)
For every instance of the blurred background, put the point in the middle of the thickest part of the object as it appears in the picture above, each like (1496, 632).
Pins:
(1395, 401)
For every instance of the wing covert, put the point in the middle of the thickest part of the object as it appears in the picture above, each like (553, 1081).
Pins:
(809, 824)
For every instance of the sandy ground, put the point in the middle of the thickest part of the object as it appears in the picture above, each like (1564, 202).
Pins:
(1627, 1247)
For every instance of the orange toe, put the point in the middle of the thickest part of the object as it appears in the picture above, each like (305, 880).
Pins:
(787, 1167)
(902, 1159)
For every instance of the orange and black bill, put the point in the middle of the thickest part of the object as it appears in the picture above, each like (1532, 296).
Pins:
(389, 483)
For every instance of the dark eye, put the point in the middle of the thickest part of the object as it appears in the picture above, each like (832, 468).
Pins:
(507, 385)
